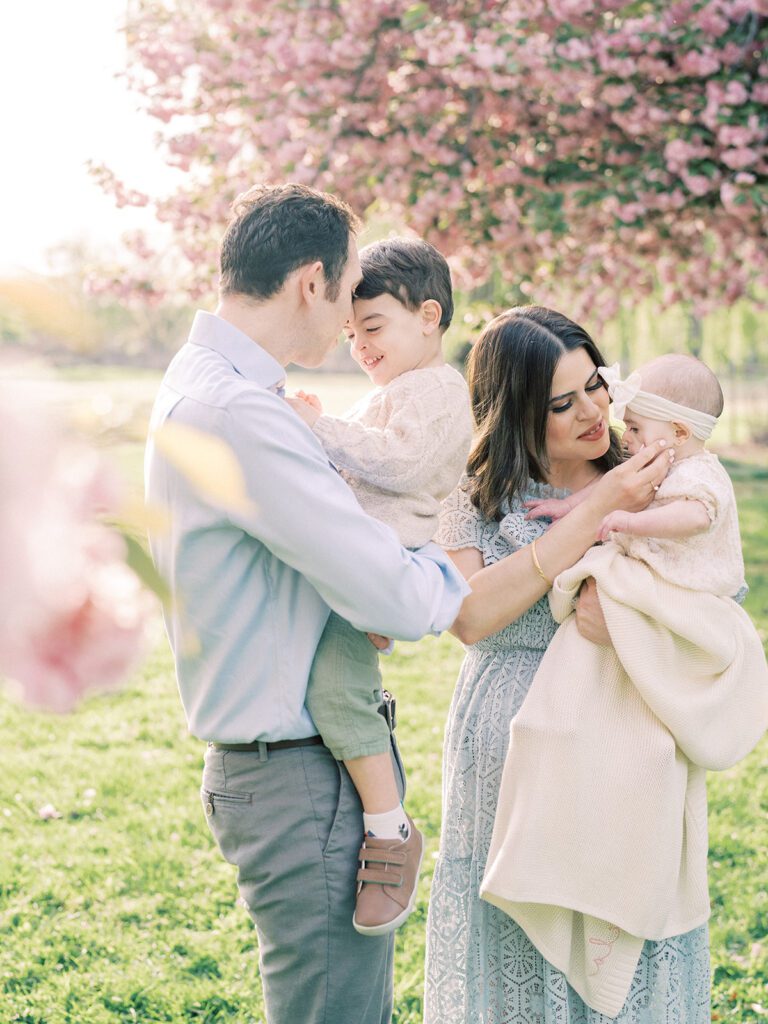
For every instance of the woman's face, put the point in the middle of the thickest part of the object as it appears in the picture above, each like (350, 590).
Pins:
(577, 423)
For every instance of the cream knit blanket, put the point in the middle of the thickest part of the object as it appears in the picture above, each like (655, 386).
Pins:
(600, 837)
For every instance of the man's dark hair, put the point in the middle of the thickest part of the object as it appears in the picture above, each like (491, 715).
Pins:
(510, 373)
(408, 269)
(275, 229)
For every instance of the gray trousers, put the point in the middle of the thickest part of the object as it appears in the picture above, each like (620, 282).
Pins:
(291, 822)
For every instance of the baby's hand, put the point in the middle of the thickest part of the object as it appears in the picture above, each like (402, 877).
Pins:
(619, 521)
(548, 508)
(307, 406)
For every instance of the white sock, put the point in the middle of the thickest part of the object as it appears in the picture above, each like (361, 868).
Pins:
(390, 825)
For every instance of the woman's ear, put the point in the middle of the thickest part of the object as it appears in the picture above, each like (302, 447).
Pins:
(431, 313)
(682, 433)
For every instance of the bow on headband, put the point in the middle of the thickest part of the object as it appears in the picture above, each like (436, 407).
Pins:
(621, 391)
(628, 392)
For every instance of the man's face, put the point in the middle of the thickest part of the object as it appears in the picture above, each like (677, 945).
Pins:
(329, 316)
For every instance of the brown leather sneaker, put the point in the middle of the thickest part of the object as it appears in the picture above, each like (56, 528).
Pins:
(389, 872)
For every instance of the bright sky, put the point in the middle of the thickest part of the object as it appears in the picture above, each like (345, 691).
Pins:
(61, 105)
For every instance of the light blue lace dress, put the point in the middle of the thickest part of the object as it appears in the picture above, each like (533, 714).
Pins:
(481, 967)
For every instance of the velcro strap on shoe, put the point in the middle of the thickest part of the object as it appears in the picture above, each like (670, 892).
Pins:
(372, 855)
(392, 878)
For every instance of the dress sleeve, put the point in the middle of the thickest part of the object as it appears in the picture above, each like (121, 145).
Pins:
(461, 523)
(698, 480)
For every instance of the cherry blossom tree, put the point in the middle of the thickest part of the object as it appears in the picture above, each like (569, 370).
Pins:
(589, 150)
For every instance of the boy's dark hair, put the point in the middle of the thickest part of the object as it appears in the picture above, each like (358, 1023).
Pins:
(275, 229)
(410, 270)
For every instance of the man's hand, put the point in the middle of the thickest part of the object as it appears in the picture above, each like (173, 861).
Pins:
(589, 615)
(306, 405)
(619, 521)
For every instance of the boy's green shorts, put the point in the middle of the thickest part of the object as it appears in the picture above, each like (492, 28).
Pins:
(345, 692)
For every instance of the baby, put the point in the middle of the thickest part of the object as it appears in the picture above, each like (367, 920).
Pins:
(402, 449)
(689, 534)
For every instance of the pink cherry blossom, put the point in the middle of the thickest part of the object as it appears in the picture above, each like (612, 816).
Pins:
(497, 130)
(736, 93)
(630, 212)
(738, 159)
(700, 64)
(736, 135)
(74, 619)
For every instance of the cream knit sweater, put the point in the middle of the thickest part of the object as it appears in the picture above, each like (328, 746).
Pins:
(600, 837)
(403, 447)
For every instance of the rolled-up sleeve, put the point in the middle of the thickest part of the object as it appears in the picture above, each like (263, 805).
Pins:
(307, 516)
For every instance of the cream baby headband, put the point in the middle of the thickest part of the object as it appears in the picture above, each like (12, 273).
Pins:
(627, 393)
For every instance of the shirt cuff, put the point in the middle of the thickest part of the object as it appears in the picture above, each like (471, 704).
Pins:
(454, 591)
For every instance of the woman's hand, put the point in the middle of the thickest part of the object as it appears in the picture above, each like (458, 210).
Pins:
(590, 621)
(633, 484)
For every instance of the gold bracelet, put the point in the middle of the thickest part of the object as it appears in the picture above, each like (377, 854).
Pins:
(537, 564)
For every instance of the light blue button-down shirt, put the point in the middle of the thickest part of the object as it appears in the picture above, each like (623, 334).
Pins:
(253, 589)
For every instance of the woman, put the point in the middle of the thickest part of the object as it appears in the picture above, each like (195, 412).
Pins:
(542, 417)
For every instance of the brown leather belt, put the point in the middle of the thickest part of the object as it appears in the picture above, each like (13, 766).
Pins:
(309, 741)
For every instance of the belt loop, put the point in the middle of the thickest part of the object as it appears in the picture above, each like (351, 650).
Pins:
(262, 750)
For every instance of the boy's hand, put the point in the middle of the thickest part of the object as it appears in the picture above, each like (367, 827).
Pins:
(384, 644)
(310, 399)
(307, 406)
(548, 508)
(619, 521)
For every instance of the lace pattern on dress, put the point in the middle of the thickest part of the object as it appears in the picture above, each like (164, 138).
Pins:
(481, 967)
(462, 525)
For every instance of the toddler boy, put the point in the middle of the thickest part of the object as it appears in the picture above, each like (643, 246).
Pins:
(402, 449)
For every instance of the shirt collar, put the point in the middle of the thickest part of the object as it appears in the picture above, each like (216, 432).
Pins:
(248, 358)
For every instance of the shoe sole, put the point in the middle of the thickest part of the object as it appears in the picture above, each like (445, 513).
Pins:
(390, 926)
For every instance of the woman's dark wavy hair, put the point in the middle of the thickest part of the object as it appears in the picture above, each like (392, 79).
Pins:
(510, 373)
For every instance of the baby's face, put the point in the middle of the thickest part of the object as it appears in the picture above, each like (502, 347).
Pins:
(640, 431)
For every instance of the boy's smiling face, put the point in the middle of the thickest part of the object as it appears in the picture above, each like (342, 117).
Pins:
(387, 339)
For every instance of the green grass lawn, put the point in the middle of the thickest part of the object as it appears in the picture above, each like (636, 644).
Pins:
(120, 909)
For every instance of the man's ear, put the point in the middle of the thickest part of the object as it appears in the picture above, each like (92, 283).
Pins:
(682, 433)
(431, 312)
(311, 281)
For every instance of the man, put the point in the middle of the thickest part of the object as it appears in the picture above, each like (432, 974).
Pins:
(254, 588)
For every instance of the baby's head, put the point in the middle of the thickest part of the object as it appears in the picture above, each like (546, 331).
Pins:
(402, 308)
(696, 401)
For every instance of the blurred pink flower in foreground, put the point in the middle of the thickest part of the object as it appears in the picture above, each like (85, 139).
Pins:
(72, 614)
